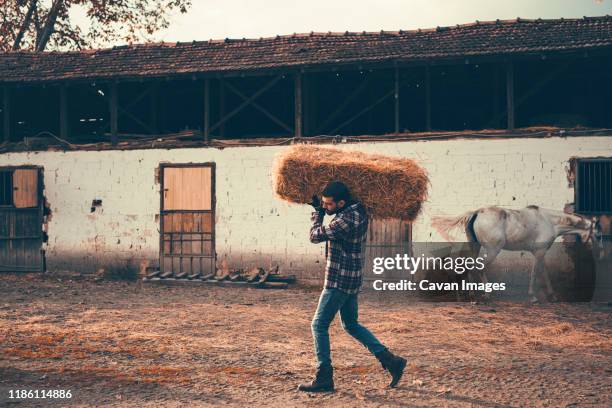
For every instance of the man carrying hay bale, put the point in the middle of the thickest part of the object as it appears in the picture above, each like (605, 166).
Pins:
(388, 187)
(345, 236)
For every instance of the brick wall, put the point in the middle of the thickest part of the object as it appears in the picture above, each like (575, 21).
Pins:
(252, 226)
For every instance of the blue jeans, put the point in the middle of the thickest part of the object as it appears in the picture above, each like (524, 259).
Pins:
(330, 302)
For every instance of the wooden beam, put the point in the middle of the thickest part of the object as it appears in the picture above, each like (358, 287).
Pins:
(113, 109)
(6, 114)
(356, 92)
(396, 95)
(307, 105)
(363, 111)
(221, 106)
(537, 87)
(206, 110)
(510, 95)
(63, 93)
(496, 81)
(163, 114)
(140, 96)
(263, 89)
(427, 99)
(260, 108)
(154, 108)
(127, 113)
(367, 109)
(541, 84)
(125, 110)
(298, 104)
(149, 90)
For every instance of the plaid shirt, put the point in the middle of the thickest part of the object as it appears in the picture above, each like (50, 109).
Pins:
(345, 234)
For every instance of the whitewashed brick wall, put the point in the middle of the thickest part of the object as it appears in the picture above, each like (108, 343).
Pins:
(252, 226)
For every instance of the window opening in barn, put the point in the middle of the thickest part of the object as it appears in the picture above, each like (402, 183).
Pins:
(6, 187)
(594, 186)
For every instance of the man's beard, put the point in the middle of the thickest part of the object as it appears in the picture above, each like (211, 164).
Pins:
(328, 212)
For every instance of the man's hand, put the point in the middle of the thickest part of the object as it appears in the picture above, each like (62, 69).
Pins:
(316, 203)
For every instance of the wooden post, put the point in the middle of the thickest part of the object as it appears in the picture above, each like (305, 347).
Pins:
(496, 95)
(298, 104)
(510, 94)
(154, 122)
(114, 117)
(222, 106)
(162, 120)
(63, 91)
(397, 101)
(306, 105)
(206, 110)
(427, 99)
(6, 114)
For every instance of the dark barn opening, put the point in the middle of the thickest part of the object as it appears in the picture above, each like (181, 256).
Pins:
(564, 92)
(503, 75)
(34, 111)
(468, 96)
(6, 187)
(87, 111)
(351, 102)
(269, 113)
(175, 106)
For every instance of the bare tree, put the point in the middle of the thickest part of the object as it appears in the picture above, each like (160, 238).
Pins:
(45, 24)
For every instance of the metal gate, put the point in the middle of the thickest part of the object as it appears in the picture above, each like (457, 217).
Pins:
(187, 221)
(21, 219)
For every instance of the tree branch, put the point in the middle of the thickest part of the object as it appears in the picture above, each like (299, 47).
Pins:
(49, 26)
(25, 25)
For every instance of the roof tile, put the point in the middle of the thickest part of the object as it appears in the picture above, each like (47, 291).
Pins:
(310, 49)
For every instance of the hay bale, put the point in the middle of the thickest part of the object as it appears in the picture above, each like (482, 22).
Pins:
(388, 187)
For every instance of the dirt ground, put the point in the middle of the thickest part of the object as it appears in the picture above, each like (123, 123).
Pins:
(141, 344)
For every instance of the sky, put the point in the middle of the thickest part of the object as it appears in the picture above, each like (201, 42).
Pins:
(218, 19)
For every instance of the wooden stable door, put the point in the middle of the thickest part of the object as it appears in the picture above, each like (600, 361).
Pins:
(386, 238)
(21, 218)
(187, 246)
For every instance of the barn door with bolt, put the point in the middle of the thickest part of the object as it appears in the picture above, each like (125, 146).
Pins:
(187, 242)
(21, 219)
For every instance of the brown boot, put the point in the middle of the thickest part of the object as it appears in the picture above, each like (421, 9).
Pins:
(323, 382)
(392, 363)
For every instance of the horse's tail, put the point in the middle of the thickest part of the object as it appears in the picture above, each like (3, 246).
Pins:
(446, 224)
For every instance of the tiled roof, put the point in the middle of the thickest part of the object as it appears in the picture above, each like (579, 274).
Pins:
(313, 49)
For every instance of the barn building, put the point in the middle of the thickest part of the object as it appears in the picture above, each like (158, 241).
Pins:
(161, 154)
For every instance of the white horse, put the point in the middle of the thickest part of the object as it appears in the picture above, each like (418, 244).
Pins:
(530, 229)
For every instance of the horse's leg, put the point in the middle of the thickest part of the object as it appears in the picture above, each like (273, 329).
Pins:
(471, 278)
(483, 278)
(474, 248)
(460, 296)
(547, 284)
(492, 253)
(474, 251)
(537, 266)
(468, 276)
